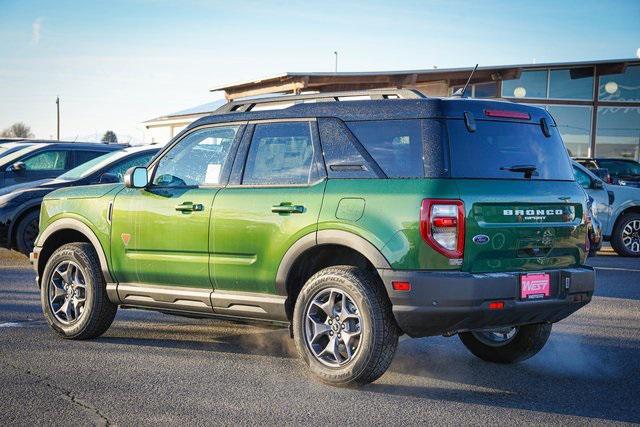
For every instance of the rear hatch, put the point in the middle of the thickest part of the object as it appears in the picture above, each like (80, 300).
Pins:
(524, 211)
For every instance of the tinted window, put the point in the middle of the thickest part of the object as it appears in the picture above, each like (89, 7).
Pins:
(120, 168)
(341, 154)
(574, 124)
(620, 167)
(47, 160)
(197, 159)
(618, 132)
(280, 153)
(621, 87)
(582, 178)
(396, 145)
(85, 156)
(575, 83)
(495, 146)
(531, 84)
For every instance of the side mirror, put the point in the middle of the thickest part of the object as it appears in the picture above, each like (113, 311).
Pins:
(109, 178)
(18, 167)
(597, 184)
(136, 177)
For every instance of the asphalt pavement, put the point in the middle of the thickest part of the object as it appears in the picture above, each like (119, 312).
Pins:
(151, 368)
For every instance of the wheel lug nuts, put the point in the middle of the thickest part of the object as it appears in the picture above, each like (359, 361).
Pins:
(330, 321)
(339, 336)
(331, 333)
(342, 326)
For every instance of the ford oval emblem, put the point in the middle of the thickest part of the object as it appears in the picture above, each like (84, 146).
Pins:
(480, 239)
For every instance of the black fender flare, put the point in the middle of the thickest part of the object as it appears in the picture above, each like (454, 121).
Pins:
(327, 237)
(79, 226)
(20, 212)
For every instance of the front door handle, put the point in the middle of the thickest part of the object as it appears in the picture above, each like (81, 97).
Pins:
(189, 207)
(284, 208)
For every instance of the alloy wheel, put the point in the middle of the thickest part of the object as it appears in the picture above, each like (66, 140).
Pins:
(631, 236)
(67, 292)
(333, 327)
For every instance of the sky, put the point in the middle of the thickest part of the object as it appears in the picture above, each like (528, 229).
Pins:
(116, 63)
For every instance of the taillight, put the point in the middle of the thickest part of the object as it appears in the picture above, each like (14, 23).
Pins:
(442, 226)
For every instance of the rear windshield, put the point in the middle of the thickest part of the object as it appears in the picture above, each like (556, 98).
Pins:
(495, 147)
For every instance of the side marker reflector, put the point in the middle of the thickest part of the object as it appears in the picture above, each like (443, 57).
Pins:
(496, 305)
(401, 286)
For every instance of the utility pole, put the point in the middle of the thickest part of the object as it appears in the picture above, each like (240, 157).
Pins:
(335, 52)
(58, 111)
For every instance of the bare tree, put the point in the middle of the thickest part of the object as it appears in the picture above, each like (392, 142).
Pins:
(110, 137)
(17, 130)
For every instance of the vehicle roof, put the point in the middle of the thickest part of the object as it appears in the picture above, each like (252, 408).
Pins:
(385, 109)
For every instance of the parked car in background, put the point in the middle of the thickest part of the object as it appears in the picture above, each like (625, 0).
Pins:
(595, 229)
(20, 204)
(617, 208)
(622, 171)
(32, 161)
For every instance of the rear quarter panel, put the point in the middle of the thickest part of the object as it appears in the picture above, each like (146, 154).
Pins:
(390, 216)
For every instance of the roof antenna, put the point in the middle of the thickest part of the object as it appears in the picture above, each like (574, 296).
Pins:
(464, 89)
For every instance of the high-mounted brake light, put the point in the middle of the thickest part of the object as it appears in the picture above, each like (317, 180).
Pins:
(507, 114)
(442, 226)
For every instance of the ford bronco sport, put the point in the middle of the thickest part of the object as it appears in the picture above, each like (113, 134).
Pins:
(353, 222)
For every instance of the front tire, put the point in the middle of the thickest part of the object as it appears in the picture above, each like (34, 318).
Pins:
(343, 326)
(507, 345)
(27, 231)
(625, 239)
(73, 293)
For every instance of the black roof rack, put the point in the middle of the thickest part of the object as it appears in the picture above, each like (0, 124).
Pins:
(248, 104)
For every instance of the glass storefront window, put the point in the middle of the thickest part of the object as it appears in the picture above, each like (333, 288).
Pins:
(531, 84)
(618, 132)
(574, 83)
(485, 90)
(621, 87)
(574, 125)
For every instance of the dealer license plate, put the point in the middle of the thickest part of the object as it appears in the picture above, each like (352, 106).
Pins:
(535, 286)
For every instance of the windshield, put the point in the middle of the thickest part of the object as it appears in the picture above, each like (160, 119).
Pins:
(13, 155)
(91, 166)
(508, 150)
(621, 167)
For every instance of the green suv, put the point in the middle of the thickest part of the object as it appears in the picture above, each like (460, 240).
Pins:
(350, 221)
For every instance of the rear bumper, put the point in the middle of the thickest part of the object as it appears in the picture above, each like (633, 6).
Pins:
(450, 302)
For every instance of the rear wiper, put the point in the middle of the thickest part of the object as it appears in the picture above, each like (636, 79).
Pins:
(527, 170)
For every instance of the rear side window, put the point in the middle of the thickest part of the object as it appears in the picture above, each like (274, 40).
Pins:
(396, 145)
(495, 147)
(280, 153)
(83, 156)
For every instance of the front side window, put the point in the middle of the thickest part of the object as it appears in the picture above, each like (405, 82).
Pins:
(198, 159)
(47, 161)
(280, 154)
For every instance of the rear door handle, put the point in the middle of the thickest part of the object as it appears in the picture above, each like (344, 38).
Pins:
(283, 208)
(189, 207)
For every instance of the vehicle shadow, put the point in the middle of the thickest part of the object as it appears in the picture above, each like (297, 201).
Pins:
(573, 375)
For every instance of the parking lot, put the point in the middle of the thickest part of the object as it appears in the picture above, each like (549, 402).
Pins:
(153, 368)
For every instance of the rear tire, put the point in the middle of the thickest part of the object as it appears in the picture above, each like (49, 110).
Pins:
(73, 277)
(527, 341)
(367, 323)
(627, 229)
(27, 231)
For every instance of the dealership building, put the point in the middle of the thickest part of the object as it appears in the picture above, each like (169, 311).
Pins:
(596, 104)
